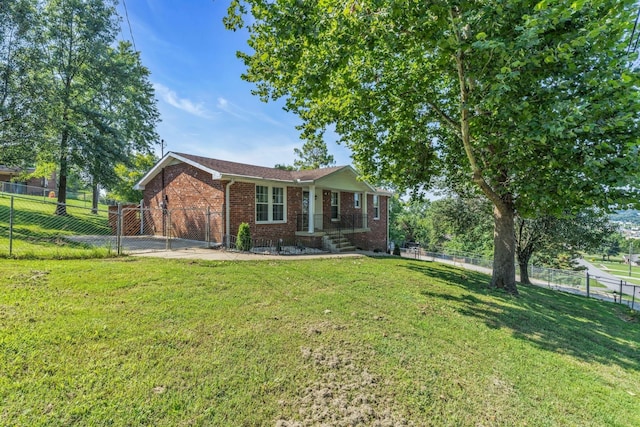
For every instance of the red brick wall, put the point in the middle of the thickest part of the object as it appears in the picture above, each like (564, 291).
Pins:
(243, 209)
(189, 192)
(376, 239)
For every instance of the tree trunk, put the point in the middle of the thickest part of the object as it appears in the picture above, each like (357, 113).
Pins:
(94, 197)
(61, 209)
(504, 250)
(524, 271)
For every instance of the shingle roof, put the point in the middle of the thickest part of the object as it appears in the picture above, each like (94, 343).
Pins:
(241, 169)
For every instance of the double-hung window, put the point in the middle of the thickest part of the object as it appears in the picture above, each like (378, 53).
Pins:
(376, 206)
(357, 200)
(277, 204)
(270, 204)
(335, 205)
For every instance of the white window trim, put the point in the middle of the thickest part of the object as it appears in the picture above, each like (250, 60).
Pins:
(357, 200)
(376, 206)
(270, 204)
(332, 205)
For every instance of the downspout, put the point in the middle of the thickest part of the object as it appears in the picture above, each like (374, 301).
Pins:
(388, 218)
(227, 213)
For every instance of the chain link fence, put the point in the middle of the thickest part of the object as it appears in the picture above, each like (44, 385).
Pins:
(565, 280)
(29, 227)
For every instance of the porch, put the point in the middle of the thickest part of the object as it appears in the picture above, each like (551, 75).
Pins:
(327, 224)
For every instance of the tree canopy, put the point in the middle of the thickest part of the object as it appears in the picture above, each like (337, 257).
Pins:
(19, 97)
(313, 155)
(88, 97)
(534, 104)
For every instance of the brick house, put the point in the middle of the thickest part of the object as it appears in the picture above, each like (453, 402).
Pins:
(11, 182)
(328, 207)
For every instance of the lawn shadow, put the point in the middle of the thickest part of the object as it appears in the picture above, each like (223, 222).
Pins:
(588, 329)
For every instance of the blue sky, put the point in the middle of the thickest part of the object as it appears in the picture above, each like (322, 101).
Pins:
(205, 106)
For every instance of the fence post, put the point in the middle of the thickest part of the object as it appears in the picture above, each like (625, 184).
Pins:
(142, 217)
(633, 298)
(588, 294)
(207, 228)
(620, 291)
(11, 228)
(119, 230)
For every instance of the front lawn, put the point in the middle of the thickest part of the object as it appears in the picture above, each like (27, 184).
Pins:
(349, 341)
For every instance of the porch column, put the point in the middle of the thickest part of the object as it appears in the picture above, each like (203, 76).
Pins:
(365, 210)
(312, 207)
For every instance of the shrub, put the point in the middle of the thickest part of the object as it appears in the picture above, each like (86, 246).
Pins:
(243, 243)
(396, 249)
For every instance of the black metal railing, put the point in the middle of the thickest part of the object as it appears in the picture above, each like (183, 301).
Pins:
(348, 222)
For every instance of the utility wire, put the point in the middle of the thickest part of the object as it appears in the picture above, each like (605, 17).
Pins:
(635, 25)
(126, 14)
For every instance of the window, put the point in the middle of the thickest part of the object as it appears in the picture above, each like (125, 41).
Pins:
(357, 197)
(270, 205)
(376, 206)
(277, 206)
(335, 205)
(262, 203)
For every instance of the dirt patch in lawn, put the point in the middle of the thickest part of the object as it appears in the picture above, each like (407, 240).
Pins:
(346, 395)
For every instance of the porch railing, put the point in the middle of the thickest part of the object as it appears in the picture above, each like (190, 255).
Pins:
(348, 222)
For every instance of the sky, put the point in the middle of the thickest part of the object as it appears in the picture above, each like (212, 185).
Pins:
(205, 106)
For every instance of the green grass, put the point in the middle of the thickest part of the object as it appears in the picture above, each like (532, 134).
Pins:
(39, 233)
(347, 341)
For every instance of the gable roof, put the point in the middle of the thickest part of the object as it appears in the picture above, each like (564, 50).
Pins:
(223, 169)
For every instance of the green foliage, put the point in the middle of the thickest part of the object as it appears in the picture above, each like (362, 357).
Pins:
(313, 155)
(285, 167)
(532, 104)
(20, 102)
(409, 221)
(555, 241)
(396, 250)
(451, 224)
(462, 225)
(128, 176)
(95, 104)
(243, 240)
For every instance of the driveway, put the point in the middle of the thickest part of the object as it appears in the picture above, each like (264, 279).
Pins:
(609, 280)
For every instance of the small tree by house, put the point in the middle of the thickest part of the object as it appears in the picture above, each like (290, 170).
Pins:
(243, 243)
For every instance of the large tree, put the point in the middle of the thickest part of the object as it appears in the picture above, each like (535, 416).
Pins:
(101, 104)
(19, 94)
(313, 155)
(548, 237)
(534, 103)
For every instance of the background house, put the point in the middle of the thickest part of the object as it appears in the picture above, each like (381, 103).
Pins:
(328, 207)
(10, 182)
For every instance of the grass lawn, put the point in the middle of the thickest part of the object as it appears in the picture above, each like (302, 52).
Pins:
(38, 233)
(349, 341)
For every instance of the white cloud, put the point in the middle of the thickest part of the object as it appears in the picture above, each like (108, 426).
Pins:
(243, 114)
(184, 104)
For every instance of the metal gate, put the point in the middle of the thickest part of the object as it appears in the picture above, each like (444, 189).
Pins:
(154, 229)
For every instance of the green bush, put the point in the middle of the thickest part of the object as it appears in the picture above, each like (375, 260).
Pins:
(396, 249)
(243, 243)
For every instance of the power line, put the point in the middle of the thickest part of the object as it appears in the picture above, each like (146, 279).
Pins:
(635, 25)
(126, 14)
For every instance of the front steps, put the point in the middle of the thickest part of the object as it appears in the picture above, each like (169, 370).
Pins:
(337, 242)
